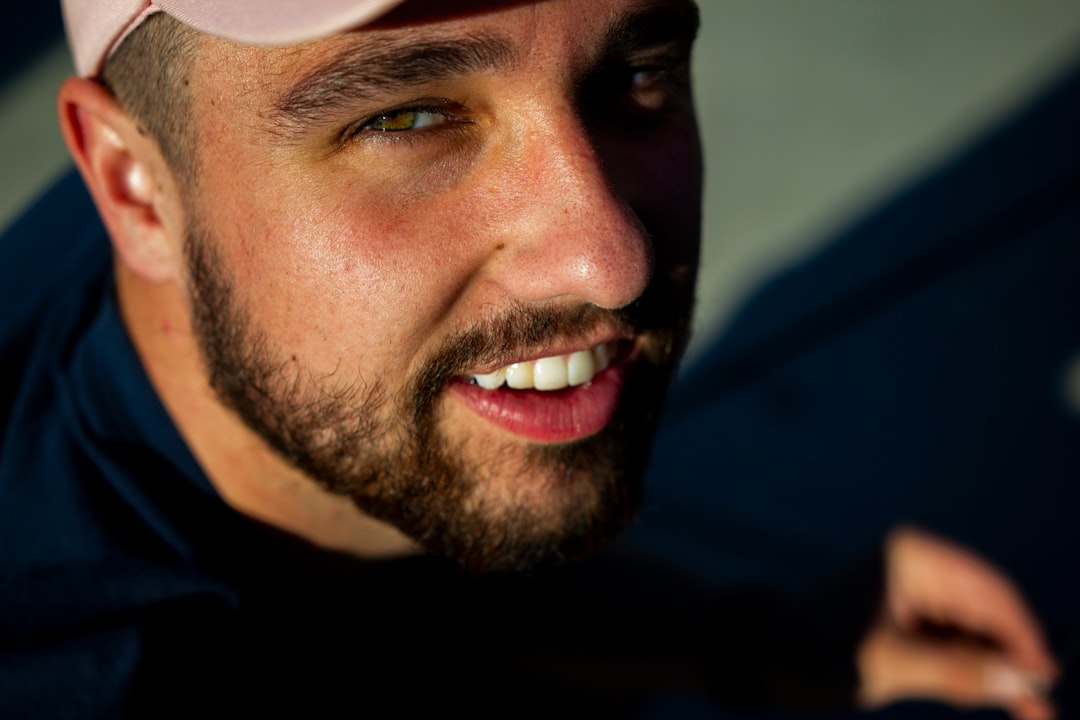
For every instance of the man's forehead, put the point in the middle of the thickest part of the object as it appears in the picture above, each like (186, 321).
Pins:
(424, 41)
(430, 40)
(95, 28)
(415, 20)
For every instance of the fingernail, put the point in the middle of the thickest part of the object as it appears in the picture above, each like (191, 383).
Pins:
(1005, 682)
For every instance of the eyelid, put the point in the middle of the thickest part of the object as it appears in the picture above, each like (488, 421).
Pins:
(455, 113)
(672, 59)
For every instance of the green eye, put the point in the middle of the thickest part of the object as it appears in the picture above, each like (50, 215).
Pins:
(404, 120)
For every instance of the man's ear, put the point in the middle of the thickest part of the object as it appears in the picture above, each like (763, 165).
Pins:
(128, 178)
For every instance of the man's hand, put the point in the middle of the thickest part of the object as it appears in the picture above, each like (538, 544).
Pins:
(953, 628)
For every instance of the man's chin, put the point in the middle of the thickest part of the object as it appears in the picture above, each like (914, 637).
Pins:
(514, 506)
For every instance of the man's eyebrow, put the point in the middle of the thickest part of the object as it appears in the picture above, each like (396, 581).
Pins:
(651, 26)
(364, 70)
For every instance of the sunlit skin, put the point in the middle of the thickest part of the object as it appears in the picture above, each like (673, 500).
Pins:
(359, 238)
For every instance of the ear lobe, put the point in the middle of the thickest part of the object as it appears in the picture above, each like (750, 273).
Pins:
(127, 177)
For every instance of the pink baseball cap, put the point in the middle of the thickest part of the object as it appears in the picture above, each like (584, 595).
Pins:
(96, 27)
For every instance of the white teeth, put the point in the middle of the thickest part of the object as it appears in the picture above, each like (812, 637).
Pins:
(550, 373)
(491, 380)
(580, 367)
(603, 357)
(520, 376)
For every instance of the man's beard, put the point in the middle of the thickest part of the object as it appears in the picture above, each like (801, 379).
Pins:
(387, 454)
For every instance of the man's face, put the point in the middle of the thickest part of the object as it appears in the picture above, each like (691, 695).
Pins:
(444, 264)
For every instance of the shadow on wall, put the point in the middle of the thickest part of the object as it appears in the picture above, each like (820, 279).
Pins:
(923, 367)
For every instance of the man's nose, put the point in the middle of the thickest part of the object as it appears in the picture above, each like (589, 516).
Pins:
(568, 233)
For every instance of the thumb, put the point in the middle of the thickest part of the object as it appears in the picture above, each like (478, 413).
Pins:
(895, 665)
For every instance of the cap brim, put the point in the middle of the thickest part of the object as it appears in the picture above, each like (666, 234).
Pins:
(275, 22)
(95, 28)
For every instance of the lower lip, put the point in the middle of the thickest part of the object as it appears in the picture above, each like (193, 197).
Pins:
(548, 416)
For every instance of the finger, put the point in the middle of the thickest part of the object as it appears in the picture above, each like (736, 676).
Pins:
(894, 665)
(937, 580)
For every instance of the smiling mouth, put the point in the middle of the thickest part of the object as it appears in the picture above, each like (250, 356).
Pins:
(555, 398)
(547, 374)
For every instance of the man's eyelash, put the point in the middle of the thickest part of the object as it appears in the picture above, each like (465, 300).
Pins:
(362, 128)
(671, 66)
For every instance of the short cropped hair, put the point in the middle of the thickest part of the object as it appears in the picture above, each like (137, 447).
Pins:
(149, 76)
